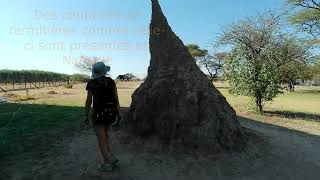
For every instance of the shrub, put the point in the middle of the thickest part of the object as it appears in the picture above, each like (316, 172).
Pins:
(24, 98)
(68, 86)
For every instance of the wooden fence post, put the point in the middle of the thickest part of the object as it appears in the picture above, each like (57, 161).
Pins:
(6, 83)
(25, 82)
(3, 90)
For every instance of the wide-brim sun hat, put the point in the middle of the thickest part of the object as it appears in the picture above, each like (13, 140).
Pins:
(99, 69)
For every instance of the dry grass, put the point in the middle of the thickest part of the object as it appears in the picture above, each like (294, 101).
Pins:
(298, 111)
(16, 97)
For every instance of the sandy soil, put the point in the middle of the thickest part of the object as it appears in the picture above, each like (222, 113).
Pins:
(276, 153)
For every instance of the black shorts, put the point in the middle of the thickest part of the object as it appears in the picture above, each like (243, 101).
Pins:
(106, 122)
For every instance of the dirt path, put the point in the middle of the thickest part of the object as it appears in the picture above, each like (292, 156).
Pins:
(278, 154)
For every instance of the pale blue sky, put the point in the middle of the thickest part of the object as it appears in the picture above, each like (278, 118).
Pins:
(193, 21)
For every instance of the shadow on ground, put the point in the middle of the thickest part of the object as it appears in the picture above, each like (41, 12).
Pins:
(295, 115)
(308, 91)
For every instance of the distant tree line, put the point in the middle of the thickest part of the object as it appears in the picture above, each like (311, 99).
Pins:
(38, 78)
(15, 76)
(83, 78)
(126, 77)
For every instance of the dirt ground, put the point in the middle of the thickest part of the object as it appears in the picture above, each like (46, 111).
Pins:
(277, 153)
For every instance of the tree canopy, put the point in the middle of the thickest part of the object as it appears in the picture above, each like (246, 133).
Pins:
(306, 15)
(196, 52)
(211, 62)
(84, 65)
(17, 76)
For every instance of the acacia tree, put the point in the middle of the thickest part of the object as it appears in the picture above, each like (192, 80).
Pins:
(249, 69)
(129, 76)
(196, 52)
(213, 64)
(306, 16)
(291, 57)
(314, 69)
(316, 66)
(85, 63)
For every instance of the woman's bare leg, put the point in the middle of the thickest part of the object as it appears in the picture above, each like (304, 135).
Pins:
(102, 136)
(106, 130)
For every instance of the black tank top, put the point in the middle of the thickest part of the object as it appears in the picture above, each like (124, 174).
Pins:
(103, 91)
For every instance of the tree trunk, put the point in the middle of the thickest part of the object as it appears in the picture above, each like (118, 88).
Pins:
(259, 103)
(290, 86)
(25, 82)
(212, 79)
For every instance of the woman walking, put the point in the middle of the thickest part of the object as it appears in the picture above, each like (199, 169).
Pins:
(103, 91)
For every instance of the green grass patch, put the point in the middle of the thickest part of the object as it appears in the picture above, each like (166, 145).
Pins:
(36, 127)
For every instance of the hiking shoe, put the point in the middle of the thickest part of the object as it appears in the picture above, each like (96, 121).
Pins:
(106, 167)
(113, 160)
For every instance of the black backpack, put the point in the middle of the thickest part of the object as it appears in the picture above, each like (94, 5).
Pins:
(104, 100)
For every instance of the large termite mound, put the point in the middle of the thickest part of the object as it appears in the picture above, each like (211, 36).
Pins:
(177, 101)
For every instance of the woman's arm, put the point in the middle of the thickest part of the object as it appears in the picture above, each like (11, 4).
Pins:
(88, 106)
(117, 99)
